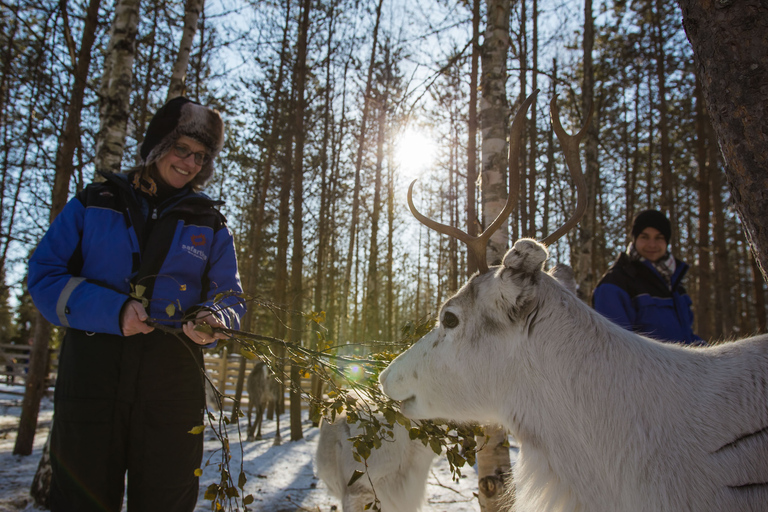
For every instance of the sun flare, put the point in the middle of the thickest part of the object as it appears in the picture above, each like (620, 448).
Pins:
(415, 152)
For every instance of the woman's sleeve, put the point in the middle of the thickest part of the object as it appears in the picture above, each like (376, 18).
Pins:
(64, 297)
(614, 303)
(224, 288)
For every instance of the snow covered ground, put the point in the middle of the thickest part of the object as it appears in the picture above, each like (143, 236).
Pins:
(280, 478)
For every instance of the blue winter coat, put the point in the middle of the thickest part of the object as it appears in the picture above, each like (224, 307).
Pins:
(635, 296)
(105, 243)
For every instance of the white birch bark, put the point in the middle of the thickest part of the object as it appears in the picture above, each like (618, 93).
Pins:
(179, 74)
(115, 90)
(493, 462)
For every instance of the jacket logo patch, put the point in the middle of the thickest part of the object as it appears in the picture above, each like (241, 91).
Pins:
(196, 241)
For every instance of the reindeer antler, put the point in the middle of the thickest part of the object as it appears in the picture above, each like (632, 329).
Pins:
(570, 144)
(477, 244)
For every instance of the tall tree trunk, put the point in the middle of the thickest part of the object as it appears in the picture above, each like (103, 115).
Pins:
(361, 143)
(665, 151)
(69, 140)
(724, 316)
(550, 165)
(533, 134)
(730, 42)
(371, 315)
(116, 85)
(257, 209)
(704, 301)
(324, 220)
(586, 274)
(179, 73)
(297, 253)
(493, 463)
(493, 120)
(389, 265)
(472, 218)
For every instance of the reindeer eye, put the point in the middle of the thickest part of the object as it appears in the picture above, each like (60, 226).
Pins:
(450, 320)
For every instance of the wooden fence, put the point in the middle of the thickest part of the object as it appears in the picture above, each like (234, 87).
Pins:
(14, 364)
(223, 371)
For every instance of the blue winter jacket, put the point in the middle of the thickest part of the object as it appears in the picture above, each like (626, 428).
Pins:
(635, 296)
(108, 241)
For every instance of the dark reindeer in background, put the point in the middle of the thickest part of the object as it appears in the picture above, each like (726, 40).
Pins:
(263, 393)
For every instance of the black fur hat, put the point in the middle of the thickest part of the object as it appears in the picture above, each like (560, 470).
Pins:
(653, 219)
(182, 116)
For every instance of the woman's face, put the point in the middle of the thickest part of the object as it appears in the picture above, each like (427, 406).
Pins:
(178, 171)
(651, 244)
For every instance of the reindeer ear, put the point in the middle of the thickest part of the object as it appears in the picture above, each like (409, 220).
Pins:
(526, 256)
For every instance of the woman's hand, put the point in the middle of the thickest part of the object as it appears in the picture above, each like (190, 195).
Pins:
(201, 338)
(132, 319)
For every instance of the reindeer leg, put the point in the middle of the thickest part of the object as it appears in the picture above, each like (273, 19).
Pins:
(259, 418)
(278, 440)
(250, 428)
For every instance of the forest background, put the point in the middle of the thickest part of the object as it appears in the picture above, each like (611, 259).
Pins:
(332, 107)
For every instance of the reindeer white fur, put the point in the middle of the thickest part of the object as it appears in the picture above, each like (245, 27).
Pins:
(607, 420)
(398, 469)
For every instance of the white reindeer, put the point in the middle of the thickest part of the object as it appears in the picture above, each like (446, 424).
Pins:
(607, 420)
(398, 469)
(263, 392)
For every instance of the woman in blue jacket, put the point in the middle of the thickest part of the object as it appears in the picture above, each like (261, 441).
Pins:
(642, 290)
(137, 250)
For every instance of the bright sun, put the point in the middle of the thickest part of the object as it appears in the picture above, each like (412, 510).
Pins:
(415, 153)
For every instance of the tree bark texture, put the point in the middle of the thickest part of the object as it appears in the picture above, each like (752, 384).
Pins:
(358, 169)
(494, 111)
(585, 258)
(116, 84)
(494, 461)
(179, 74)
(730, 47)
(472, 220)
(65, 154)
(297, 254)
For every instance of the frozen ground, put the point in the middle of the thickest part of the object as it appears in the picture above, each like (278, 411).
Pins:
(281, 478)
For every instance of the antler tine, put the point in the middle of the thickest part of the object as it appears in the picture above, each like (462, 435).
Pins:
(477, 244)
(473, 243)
(570, 145)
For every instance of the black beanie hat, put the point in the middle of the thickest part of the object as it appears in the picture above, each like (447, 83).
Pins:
(181, 116)
(652, 219)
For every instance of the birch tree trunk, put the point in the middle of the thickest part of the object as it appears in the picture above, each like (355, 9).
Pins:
(179, 74)
(730, 44)
(493, 120)
(115, 90)
(493, 462)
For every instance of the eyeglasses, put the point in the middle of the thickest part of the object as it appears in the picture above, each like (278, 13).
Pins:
(182, 152)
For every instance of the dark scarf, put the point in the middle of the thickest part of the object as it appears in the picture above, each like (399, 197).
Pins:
(665, 266)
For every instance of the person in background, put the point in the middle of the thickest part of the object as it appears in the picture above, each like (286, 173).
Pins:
(130, 267)
(642, 291)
